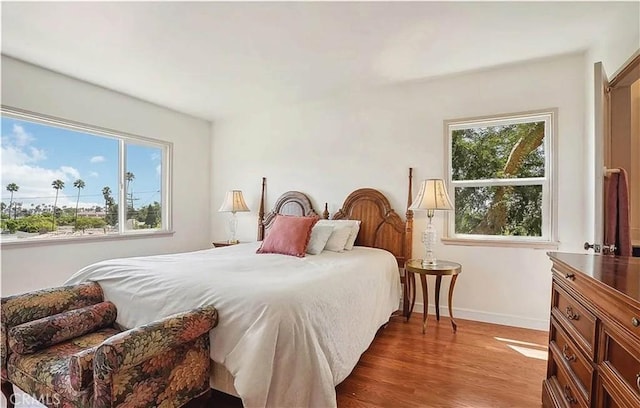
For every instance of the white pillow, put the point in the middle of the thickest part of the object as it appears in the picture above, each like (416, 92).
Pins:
(320, 234)
(338, 238)
(355, 228)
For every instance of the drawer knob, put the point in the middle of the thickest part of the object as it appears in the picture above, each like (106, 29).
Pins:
(571, 315)
(635, 322)
(568, 357)
(638, 381)
(568, 396)
(570, 276)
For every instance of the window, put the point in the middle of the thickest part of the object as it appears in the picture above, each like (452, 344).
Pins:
(501, 179)
(67, 180)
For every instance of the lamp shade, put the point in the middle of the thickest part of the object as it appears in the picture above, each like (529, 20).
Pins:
(233, 202)
(432, 196)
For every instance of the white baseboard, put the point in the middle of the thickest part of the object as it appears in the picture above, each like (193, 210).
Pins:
(487, 317)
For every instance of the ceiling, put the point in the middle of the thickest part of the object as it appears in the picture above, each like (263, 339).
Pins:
(212, 59)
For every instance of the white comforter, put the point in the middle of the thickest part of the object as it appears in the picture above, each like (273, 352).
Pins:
(289, 330)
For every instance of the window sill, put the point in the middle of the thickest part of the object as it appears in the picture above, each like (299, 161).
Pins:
(501, 243)
(82, 239)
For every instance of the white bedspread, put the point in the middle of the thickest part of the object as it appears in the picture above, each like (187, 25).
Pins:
(290, 329)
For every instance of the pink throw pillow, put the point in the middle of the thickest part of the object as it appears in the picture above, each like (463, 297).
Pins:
(288, 235)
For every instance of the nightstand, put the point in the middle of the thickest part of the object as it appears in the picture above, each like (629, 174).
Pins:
(440, 269)
(220, 244)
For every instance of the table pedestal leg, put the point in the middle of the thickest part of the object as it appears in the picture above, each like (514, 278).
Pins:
(405, 296)
(425, 301)
(410, 289)
(453, 283)
(438, 283)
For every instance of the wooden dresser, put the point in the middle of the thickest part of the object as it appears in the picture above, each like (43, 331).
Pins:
(594, 335)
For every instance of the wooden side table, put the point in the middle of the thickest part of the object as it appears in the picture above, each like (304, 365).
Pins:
(442, 268)
(220, 244)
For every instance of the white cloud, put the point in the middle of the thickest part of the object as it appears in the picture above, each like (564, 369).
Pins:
(37, 154)
(75, 174)
(19, 165)
(15, 149)
(35, 183)
(97, 159)
(20, 136)
(93, 174)
(159, 170)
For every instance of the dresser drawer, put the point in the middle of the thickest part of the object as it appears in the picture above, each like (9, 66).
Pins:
(606, 400)
(610, 393)
(566, 386)
(579, 323)
(627, 316)
(622, 358)
(573, 359)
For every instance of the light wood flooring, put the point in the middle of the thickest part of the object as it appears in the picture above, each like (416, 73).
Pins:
(482, 365)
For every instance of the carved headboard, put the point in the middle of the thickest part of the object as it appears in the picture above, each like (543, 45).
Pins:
(381, 226)
(289, 203)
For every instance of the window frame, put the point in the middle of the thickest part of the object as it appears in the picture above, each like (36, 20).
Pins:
(123, 139)
(548, 182)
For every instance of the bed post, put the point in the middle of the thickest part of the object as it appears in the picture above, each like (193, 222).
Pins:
(261, 212)
(325, 213)
(409, 286)
(409, 226)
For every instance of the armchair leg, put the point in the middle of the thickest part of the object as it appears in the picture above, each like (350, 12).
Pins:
(7, 391)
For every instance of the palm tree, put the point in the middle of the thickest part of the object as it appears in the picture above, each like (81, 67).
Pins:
(12, 188)
(57, 185)
(129, 176)
(79, 184)
(106, 194)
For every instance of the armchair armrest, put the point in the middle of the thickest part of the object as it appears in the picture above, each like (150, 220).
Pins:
(26, 307)
(166, 362)
(139, 344)
(81, 369)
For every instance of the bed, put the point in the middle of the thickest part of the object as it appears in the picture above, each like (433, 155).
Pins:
(290, 328)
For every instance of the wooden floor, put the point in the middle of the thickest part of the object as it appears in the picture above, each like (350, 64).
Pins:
(482, 365)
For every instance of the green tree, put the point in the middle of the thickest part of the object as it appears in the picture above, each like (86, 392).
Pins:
(79, 184)
(151, 218)
(84, 222)
(57, 185)
(12, 188)
(112, 214)
(30, 223)
(509, 151)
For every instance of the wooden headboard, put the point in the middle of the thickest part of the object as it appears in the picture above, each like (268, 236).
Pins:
(381, 226)
(289, 203)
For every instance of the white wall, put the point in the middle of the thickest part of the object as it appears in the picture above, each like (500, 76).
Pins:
(32, 88)
(330, 147)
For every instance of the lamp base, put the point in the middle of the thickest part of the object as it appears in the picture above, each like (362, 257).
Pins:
(429, 238)
(428, 263)
(233, 225)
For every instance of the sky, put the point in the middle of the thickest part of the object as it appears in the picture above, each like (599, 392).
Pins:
(34, 155)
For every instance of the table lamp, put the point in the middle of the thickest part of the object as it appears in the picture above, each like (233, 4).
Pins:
(432, 196)
(233, 203)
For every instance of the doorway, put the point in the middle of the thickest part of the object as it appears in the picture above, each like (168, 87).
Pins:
(622, 140)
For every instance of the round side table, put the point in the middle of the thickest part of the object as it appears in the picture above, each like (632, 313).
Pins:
(440, 269)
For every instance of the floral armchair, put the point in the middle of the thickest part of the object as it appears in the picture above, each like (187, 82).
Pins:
(63, 347)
